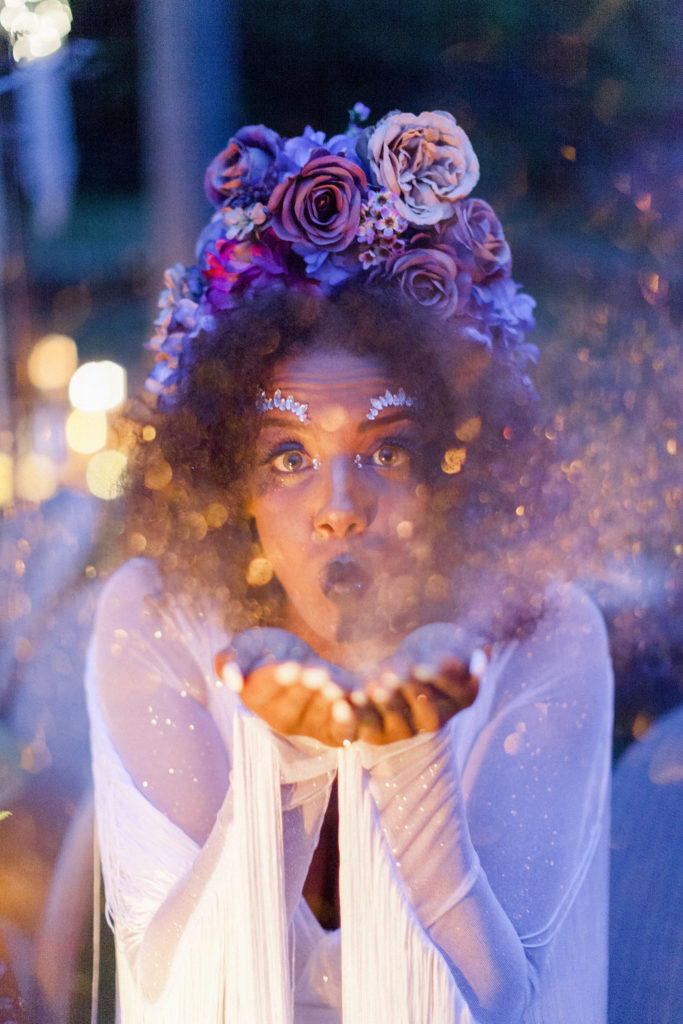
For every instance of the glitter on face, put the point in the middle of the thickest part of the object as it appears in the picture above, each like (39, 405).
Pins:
(389, 398)
(266, 402)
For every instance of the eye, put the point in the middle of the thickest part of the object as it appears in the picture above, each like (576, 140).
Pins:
(290, 460)
(391, 456)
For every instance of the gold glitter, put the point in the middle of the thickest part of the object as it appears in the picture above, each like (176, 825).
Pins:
(671, 446)
(148, 433)
(641, 724)
(259, 572)
(158, 476)
(469, 430)
(23, 649)
(137, 542)
(453, 460)
(216, 515)
(437, 588)
(195, 525)
(405, 529)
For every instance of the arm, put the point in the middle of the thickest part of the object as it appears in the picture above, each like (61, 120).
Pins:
(492, 833)
(150, 663)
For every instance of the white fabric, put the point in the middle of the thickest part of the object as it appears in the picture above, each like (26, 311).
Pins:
(473, 861)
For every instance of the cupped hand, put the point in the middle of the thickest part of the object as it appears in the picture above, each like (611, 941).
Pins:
(432, 676)
(281, 679)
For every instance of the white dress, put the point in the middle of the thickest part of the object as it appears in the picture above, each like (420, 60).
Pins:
(499, 821)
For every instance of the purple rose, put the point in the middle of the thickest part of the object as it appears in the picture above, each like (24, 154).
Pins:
(477, 236)
(428, 161)
(321, 205)
(431, 277)
(245, 168)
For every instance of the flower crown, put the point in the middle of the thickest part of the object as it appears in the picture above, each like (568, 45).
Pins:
(390, 202)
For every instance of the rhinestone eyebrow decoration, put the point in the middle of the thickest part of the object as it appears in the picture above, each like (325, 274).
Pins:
(265, 402)
(395, 398)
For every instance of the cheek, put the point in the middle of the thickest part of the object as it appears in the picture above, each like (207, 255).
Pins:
(279, 523)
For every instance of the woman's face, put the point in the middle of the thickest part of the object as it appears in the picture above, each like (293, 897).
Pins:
(339, 502)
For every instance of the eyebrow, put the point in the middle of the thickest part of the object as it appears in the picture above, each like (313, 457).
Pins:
(404, 413)
(287, 421)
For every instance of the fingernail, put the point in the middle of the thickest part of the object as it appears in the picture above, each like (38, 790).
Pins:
(389, 679)
(380, 694)
(478, 663)
(331, 691)
(314, 678)
(287, 673)
(341, 712)
(232, 677)
(424, 673)
(359, 698)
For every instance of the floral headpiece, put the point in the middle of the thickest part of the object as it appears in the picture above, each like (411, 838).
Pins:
(390, 201)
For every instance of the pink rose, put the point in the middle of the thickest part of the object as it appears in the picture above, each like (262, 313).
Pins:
(321, 205)
(432, 278)
(428, 161)
(477, 236)
(236, 270)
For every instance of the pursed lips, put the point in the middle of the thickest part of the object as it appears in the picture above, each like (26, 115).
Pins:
(343, 577)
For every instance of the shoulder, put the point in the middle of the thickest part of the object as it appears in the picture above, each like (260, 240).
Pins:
(566, 650)
(148, 634)
(569, 609)
(132, 581)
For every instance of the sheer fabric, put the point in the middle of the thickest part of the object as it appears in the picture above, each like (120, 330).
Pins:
(473, 861)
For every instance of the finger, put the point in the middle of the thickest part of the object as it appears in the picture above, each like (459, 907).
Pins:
(369, 723)
(307, 702)
(260, 645)
(425, 715)
(267, 693)
(285, 690)
(451, 680)
(329, 722)
(228, 671)
(397, 718)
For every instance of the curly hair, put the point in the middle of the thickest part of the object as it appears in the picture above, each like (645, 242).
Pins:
(484, 456)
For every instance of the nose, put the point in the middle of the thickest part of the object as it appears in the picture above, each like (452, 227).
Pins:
(345, 505)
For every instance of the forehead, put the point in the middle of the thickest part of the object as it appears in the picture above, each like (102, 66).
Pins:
(325, 379)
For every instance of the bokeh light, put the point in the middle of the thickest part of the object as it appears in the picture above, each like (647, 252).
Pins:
(52, 362)
(86, 432)
(259, 572)
(104, 475)
(36, 477)
(36, 28)
(6, 480)
(98, 386)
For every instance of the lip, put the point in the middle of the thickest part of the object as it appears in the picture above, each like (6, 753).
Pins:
(343, 578)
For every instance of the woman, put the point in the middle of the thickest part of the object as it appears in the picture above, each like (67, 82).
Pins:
(338, 494)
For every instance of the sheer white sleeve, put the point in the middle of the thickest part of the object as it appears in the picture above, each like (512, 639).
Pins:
(494, 823)
(177, 833)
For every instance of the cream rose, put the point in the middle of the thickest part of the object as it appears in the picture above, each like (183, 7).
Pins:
(428, 161)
